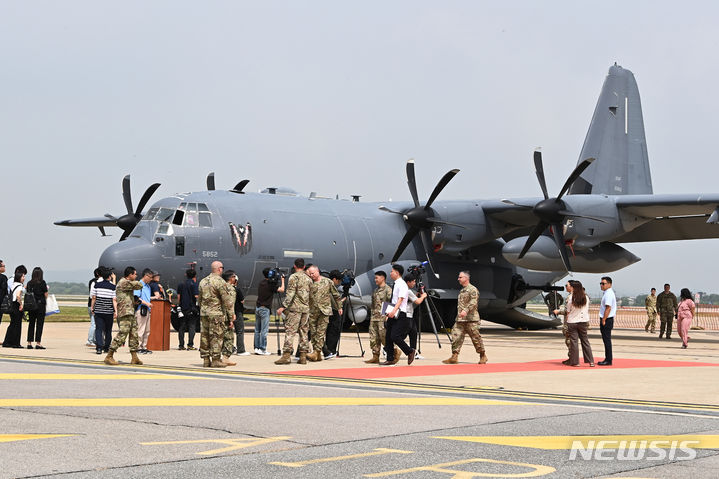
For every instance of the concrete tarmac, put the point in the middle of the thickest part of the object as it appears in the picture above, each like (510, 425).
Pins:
(654, 413)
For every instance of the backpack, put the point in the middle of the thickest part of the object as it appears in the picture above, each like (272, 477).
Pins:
(6, 306)
(30, 302)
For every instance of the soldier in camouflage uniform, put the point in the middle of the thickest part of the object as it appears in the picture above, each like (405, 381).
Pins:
(297, 304)
(126, 316)
(651, 304)
(553, 300)
(667, 307)
(377, 332)
(228, 338)
(214, 299)
(323, 298)
(467, 321)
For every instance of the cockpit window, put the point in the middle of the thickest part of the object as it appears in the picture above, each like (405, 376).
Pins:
(202, 207)
(206, 220)
(191, 220)
(165, 214)
(192, 207)
(165, 229)
(150, 215)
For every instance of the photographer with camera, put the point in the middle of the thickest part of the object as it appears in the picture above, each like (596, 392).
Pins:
(322, 294)
(273, 281)
(297, 304)
(413, 300)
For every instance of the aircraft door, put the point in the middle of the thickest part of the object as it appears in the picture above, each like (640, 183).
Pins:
(360, 253)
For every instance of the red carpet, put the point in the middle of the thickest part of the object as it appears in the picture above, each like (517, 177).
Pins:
(419, 369)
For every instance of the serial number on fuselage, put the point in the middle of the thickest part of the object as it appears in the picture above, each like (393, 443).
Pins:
(210, 254)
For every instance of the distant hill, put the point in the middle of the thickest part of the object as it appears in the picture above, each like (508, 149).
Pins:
(67, 288)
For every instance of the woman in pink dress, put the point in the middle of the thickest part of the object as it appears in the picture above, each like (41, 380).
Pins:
(687, 308)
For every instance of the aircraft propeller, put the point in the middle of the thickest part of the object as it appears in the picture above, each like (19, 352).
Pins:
(128, 222)
(236, 189)
(421, 218)
(552, 211)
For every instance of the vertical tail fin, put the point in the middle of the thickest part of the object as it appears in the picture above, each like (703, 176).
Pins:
(616, 139)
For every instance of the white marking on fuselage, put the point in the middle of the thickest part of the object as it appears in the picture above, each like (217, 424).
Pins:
(626, 115)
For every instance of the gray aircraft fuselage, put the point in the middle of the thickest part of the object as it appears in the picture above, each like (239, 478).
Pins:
(252, 231)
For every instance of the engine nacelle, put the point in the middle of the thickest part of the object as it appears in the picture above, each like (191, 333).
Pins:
(544, 256)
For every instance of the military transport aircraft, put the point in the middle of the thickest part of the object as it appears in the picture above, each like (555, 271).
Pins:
(512, 248)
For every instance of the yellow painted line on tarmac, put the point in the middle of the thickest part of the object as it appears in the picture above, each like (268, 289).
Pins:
(29, 437)
(41, 376)
(536, 470)
(377, 452)
(695, 441)
(251, 401)
(527, 396)
(232, 444)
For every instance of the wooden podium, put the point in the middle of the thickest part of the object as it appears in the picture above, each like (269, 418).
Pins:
(159, 339)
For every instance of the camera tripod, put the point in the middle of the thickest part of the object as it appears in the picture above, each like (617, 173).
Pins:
(429, 304)
(346, 314)
(277, 303)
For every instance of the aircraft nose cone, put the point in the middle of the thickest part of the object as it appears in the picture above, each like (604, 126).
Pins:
(131, 252)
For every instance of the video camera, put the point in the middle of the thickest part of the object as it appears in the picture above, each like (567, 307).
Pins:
(416, 271)
(347, 281)
(274, 276)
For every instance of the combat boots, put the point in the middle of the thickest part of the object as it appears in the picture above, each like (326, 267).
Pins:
(451, 360)
(227, 362)
(216, 363)
(135, 359)
(374, 360)
(482, 358)
(110, 360)
(206, 362)
(303, 358)
(285, 359)
(315, 356)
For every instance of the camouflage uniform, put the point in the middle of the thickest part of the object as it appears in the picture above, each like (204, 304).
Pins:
(651, 304)
(565, 327)
(214, 300)
(467, 301)
(297, 305)
(126, 315)
(228, 338)
(553, 300)
(323, 296)
(377, 330)
(667, 307)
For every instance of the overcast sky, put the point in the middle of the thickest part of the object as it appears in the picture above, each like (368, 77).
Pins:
(334, 97)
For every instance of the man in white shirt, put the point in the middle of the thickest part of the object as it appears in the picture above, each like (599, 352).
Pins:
(607, 311)
(397, 325)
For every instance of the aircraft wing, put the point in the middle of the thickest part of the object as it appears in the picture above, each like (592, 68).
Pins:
(515, 212)
(662, 206)
(676, 217)
(96, 222)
